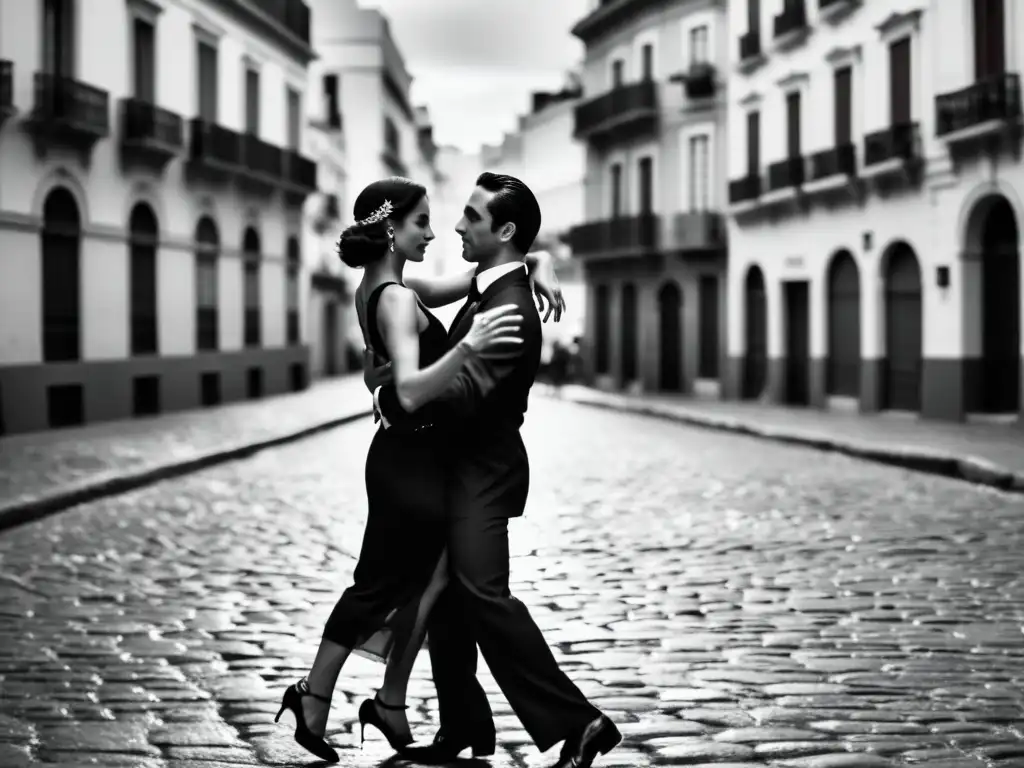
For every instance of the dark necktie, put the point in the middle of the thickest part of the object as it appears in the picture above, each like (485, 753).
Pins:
(474, 292)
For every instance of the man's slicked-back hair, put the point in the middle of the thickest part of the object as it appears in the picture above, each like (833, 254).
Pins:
(513, 201)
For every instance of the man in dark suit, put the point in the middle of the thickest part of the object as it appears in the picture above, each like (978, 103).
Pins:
(489, 484)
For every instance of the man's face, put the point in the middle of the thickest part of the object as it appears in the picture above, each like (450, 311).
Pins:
(479, 243)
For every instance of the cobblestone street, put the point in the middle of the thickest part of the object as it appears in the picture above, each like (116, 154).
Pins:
(726, 600)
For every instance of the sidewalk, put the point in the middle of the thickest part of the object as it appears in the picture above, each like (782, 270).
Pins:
(45, 472)
(988, 454)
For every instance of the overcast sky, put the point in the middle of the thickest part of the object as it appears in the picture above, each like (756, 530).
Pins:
(475, 62)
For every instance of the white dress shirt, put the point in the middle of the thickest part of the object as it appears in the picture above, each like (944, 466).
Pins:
(484, 280)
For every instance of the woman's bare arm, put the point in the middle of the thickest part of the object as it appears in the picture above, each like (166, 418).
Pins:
(441, 291)
(398, 319)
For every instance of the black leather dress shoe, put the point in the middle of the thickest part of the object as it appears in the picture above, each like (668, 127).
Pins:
(445, 748)
(598, 738)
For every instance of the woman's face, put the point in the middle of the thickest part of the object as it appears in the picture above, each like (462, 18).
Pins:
(413, 234)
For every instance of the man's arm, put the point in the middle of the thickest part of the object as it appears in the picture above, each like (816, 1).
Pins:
(480, 375)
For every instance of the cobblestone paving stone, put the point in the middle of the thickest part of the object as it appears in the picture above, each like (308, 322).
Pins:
(728, 602)
(37, 463)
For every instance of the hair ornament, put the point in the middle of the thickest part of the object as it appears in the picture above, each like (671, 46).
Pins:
(381, 213)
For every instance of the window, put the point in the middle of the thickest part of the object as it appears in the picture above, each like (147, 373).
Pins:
(647, 61)
(618, 74)
(252, 102)
(899, 82)
(207, 253)
(645, 182)
(699, 45)
(142, 228)
(294, 118)
(294, 265)
(843, 107)
(616, 186)
(392, 143)
(251, 287)
(332, 101)
(753, 143)
(989, 39)
(753, 16)
(59, 38)
(793, 124)
(144, 60)
(207, 71)
(700, 185)
(61, 241)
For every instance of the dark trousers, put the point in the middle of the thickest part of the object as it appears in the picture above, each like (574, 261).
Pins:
(477, 608)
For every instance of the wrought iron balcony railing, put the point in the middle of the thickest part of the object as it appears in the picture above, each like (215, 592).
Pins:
(837, 161)
(215, 146)
(618, 106)
(995, 98)
(745, 189)
(62, 103)
(897, 142)
(786, 173)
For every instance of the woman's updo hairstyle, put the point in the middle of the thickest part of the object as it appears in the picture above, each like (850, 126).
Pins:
(367, 240)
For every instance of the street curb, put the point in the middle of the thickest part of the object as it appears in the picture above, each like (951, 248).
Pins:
(971, 469)
(23, 511)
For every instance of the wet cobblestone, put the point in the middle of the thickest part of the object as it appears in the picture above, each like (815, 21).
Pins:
(729, 602)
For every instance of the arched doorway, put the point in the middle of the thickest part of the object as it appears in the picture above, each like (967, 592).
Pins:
(602, 330)
(843, 368)
(755, 359)
(207, 244)
(1000, 309)
(628, 330)
(251, 287)
(143, 234)
(61, 246)
(903, 340)
(670, 362)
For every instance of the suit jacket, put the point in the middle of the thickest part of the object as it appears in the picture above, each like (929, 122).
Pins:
(485, 406)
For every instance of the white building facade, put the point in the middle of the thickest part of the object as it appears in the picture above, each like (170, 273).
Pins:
(653, 243)
(544, 153)
(875, 205)
(152, 178)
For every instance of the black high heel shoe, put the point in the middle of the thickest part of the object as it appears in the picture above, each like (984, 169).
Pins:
(368, 716)
(304, 737)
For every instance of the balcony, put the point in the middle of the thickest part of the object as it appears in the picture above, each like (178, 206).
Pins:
(626, 111)
(786, 174)
(618, 236)
(751, 53)
(216, 152)
(697, 231)
(745, 192)
(831, 170)
(299, 177)
(892, 151)
(698, 81)
(262, 166)
(6, 91)
(68, 113)
(392, 159)
(986, 108)
(790, 26)
(834, 11)
(150, 136)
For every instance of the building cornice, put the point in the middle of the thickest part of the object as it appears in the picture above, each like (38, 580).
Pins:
(249, 13)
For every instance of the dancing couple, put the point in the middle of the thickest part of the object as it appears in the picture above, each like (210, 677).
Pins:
(445, 472)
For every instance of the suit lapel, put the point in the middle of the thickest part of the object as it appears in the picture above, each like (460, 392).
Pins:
(463, 320)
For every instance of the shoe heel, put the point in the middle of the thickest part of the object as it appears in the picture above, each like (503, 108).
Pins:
(278, 717)
(610, 742)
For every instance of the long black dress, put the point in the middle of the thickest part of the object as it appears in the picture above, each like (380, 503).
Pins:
(405, 528)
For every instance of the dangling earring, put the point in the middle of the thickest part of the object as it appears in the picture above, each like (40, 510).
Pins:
(391, 241)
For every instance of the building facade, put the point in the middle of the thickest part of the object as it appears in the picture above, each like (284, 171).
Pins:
(653, 243)
(875, 202)
(545, 154)
(152, 178)
(330, 319)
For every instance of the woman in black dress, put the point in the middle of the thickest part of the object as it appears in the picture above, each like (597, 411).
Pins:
(402, 568)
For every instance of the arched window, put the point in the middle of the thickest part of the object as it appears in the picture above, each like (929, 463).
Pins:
(143, 236)
(251, 287)
(207, 250)
(62, 236)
